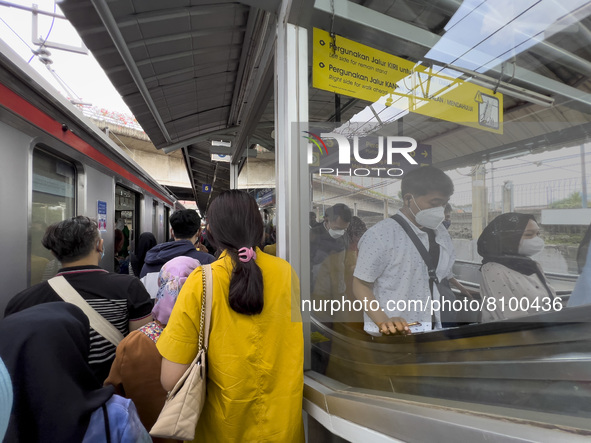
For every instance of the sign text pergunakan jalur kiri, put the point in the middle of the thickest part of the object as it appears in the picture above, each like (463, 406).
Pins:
(350, 68)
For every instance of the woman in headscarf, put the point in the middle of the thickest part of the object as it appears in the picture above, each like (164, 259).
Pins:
(57, 397)
(506, 246)
(146, 242)
(135, 374)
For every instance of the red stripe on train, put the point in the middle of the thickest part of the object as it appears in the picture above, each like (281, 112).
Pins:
(43, 121)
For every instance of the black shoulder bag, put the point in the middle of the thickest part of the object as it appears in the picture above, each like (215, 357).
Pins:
(449, 317)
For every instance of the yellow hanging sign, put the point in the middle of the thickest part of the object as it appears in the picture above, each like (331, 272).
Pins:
(350, 68)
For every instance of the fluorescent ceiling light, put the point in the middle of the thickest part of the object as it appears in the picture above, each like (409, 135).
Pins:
(221, 143)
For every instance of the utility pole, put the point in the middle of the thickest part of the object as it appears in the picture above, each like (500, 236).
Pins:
(479, 201)
(583, 178)
(492, 186)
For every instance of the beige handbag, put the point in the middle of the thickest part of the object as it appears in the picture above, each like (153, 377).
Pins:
(184, 403)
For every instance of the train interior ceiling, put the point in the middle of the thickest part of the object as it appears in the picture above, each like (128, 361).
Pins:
(193, 72)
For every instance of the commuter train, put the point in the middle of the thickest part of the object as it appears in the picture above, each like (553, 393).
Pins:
(57, 164)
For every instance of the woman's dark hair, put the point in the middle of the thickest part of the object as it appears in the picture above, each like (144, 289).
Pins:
(426, 179)
(235, 222)
(71, 239)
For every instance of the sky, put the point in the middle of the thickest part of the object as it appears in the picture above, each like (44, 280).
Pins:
(93, 86)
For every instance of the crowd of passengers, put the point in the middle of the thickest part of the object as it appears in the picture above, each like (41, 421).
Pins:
(64, 382)
(410, 256)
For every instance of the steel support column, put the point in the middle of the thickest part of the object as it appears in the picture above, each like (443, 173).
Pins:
(233, 176)
(291, 117)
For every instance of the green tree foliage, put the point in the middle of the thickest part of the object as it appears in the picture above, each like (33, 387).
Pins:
(571, 202)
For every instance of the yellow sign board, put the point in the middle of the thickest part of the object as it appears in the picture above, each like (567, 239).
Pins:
(350, 68)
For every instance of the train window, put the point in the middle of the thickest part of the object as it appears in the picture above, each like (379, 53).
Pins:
(495, 106)
(155, 218)
(53, 200)
(166, 223)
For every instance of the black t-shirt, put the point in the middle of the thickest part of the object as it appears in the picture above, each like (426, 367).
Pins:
(119, 298)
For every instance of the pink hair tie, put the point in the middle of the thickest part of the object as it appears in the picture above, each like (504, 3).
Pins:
(246, 254)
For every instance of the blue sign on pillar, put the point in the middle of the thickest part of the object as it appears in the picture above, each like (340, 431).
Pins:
(101, 215)
(206, 188)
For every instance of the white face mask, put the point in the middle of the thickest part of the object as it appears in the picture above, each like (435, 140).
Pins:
(429, 218)
(336, 233)
(531, 246)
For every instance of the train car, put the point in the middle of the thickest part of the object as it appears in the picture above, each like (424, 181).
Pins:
(57, 164)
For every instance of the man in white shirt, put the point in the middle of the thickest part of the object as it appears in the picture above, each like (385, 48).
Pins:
(391, 270)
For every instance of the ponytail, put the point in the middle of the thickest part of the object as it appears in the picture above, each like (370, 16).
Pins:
(246, 287)
(236, 223)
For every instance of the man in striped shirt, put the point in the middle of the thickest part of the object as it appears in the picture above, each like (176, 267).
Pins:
(121, 299)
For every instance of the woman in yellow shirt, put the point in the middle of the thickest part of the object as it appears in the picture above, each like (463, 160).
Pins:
(255, 355)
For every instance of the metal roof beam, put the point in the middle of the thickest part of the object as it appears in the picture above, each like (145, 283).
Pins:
(192, 70)
(190, 172)
(167, 13)
(253, 21)
(181, 36)
(112, 28)
(271, 6)
(260, 88)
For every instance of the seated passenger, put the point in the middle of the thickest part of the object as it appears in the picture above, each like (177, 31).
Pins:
(57, 398)
(136, 370)
(136, 259)
(121, 299)
(506, 246)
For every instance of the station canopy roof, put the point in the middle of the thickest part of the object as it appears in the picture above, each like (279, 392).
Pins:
(196, 71)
